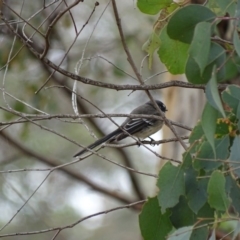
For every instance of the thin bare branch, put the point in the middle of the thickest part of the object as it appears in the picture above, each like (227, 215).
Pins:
(27, 200)
(60, 14)
(173, 83)
(75, 175)
(134, 204)
(37, 117)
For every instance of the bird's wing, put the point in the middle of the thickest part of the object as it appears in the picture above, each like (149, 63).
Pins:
(134, 125)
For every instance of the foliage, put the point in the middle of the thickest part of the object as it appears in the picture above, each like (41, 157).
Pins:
(195, 196)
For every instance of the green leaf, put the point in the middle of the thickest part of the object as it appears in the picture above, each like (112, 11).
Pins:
(150, 47)
(200, 46)
(209, 121)
(217, 56)
(235, 156)
(182, 24)
(199, 234)
(231, 96)
(152, 7)
(153, 224)
(217, 196)
(187, 158)
(182, 215)
(193, 72)
(181, 233)
(207, 215)
(227, 6)
(197, 133)
(221, 7)
(171, 185)
(173, 53)
(213, 235)
(231, 67)
(228, 185)
(216, 51)
(205, 158)
(236, 42)
(237, 15)
(236, 230)
(235, 194)
(196, 190)
(212, 94)
(224, 127)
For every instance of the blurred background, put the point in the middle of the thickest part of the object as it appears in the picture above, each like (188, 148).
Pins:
(92, 185)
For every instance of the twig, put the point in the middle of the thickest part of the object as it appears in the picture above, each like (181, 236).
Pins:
(129, 56)
(118, 68)
(27, 38)
(26, 202)
(173, 83)
(71, 16)
(75, 223)
(71, 173)
(53, 23)
(42, 57)
(37, 117)
(145, 142)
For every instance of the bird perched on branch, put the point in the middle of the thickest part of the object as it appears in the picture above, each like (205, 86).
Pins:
(138, 127)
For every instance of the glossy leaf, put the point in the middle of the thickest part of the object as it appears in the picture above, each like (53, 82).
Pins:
(171, 185)
(182, 24)
(217, 196)
(153, 224)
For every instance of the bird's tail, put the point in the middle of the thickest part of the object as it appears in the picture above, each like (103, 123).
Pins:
(99, 141)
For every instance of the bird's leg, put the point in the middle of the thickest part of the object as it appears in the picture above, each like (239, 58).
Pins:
(138, 142)
(152, 140)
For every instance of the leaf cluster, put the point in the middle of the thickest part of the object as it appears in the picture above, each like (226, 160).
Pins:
(195, 196)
